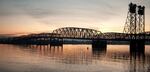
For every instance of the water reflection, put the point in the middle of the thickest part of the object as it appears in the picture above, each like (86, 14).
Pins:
(74, 58)
(99, 52)
(137, 61)
(47, 50)
(118, 53)
(70, 54)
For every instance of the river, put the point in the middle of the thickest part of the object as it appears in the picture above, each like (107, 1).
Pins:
(72, 58)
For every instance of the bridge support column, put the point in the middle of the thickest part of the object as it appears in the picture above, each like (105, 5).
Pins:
(99, 44)
(137, 46)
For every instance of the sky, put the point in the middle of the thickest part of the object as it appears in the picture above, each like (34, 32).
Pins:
(35, 16)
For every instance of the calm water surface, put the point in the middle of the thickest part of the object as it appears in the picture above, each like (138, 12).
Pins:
(72, 58)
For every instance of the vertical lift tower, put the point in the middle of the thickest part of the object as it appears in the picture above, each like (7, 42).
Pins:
(135, 27)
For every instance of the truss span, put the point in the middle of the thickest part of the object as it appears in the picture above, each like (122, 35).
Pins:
(75, 32)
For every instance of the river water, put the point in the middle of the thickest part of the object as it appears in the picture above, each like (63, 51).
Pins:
(72, 58)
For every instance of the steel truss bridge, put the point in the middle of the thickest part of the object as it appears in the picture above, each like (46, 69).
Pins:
(80, 33)
(134, 31)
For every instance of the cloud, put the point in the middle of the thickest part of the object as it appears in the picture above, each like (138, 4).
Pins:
(70, 9)
(44, 8)
(70, 12)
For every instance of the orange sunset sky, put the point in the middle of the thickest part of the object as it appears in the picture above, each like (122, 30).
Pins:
(34, 16)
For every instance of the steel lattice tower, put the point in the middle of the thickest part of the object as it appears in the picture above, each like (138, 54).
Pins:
(135, 22)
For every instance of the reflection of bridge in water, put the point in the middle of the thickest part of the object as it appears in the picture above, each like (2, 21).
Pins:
(78, 54)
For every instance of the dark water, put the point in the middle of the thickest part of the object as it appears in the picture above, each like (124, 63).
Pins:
(72, 58)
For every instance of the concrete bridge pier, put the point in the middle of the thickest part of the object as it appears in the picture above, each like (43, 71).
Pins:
(99, 44)
(137, 46)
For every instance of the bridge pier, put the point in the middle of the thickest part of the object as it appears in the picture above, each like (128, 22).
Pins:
(99, 44)
(137, 46)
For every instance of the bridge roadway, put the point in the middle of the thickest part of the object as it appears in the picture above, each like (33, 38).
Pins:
(77, 33)
(81, 38)
(84, 33)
